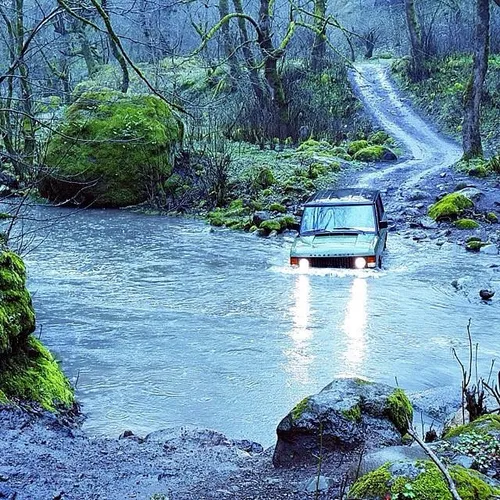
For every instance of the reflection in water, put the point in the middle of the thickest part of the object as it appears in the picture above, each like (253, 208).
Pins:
(354, 327)
(299, 359)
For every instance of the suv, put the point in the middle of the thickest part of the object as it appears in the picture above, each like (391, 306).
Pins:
(344, 228)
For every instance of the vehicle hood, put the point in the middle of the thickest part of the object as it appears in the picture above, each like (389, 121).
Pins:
(334, 245)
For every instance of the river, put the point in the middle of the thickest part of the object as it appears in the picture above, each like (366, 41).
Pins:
(162, 322)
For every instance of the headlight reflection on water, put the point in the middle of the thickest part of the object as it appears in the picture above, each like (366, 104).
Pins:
(355, 328)
(298, 356)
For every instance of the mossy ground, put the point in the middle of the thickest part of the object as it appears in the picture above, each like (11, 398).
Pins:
(451, 206)
(115, 150)
(466, 224)
(428, 484)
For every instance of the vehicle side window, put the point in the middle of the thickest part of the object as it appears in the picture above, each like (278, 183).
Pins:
(380, 208)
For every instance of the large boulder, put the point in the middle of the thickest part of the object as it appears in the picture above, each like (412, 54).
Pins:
(112, 150)
(345, 415)
(27, 370)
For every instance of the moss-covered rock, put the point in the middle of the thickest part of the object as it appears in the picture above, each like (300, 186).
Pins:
(32, 374)
(355, 146)
(420, 481)
(475, 245)
(270, 225)
(400, 410)
(17, 318)
(482, 425)
(492, 217)
(27, 369)
(375, 153)
(277, 207)
(466, 224)
(111, 150)
(450, 206)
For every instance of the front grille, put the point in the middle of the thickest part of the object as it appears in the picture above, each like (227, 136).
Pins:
(338, 262)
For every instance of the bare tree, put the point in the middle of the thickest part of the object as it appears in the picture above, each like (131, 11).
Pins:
(418, 71)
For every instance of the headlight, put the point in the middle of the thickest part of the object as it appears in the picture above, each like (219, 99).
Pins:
(304, 264)
(360, 263)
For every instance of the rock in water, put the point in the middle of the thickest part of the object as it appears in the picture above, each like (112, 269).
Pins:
(486, 294)
(346, 414)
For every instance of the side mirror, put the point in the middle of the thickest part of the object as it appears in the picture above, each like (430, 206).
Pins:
(382, 224)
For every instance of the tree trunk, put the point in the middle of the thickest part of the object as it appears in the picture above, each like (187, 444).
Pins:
(417, 68)
(471, 134)
(117, 54)
(227, 45)
(271, 57)
(248, 56)
(319, 45)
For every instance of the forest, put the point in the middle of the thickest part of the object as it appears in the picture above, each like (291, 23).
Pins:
(156, 157)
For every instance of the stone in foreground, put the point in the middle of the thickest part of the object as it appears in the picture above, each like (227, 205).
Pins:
(345, 415)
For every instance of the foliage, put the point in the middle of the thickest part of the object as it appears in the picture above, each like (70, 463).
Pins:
(450, 206)
(110, 149)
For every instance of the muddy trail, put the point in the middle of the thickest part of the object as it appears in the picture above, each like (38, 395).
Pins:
(425, 151)
(45, 458)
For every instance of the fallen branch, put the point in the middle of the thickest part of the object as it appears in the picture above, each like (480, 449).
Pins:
(435, 459)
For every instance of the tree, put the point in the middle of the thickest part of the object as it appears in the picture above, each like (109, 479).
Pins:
(471, 133)
(417, 71)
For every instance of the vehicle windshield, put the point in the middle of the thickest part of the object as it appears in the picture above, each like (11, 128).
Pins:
(335, 218)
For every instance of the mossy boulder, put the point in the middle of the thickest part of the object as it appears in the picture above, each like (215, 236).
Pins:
(27, 370)
(355, 146)
(475, 245)
(17, 318)
(451, 206)
(492, 217)
(421, 480)
(375, 153)
(348, 414)
(111, 150)
(466, 224)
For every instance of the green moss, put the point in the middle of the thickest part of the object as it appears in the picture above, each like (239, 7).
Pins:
(270, 225)
(450, 206)
(3, 398)
(34, 375)
(428, 484)
(356, 146)
(370, 153)
(17, 318)
(277, 207)
(492, 217)
(113, 146)
(399, 410)
(474, 246)
(286, 222)
(353, 414)
(300, 408)
(375, 484)
(466, 224)
(482, 425)
(473, 238)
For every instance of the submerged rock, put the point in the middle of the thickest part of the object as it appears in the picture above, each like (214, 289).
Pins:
(346, 414)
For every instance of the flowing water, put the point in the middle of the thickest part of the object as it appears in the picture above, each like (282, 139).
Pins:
(163, 322)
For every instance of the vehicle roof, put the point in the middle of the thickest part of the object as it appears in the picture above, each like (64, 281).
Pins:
(348, 196)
